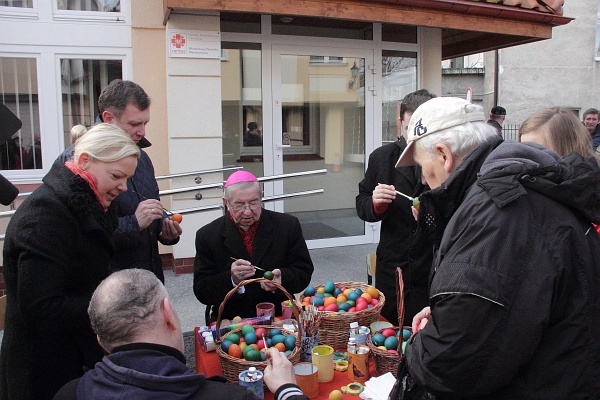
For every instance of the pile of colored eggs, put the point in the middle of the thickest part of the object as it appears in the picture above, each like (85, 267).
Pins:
(249, 343)
(387, 339)
(330, 297)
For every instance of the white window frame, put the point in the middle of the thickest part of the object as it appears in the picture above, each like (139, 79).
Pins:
(111, 17)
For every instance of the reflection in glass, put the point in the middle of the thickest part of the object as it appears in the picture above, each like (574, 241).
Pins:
(82, 82)
(323, 121)
(16, 3)
(90, 5)
(19, 92)
(399, 72)
(241, 106)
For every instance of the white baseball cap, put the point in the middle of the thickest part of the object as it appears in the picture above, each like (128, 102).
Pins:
(435, 115)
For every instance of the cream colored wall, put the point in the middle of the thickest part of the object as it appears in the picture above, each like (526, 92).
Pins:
(430, 73)
(195, 129)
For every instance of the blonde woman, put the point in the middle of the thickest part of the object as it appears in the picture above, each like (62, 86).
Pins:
(559, 130)
(57, 249)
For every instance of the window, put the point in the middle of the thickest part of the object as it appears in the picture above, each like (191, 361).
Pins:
(399, 71)
(16, 3)
(19, 92)
(89, 5)
(82, 82)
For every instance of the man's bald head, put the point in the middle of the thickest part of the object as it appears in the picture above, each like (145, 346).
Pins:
(125, 306)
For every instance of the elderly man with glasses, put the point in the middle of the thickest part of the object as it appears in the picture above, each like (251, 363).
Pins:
(229, 248)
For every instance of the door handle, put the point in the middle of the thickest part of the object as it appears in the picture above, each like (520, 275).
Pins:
(283, 146)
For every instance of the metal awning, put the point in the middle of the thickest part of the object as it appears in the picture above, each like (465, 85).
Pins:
(468, 26)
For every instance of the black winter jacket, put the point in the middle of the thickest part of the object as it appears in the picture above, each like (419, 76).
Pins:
(400, 243)
(57, 249)
(515, 296)
(135, 248)
(150, 371)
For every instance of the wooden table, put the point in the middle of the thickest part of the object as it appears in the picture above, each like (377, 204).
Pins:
(207, 363)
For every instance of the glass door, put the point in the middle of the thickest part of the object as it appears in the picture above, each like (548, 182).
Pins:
(321, 108)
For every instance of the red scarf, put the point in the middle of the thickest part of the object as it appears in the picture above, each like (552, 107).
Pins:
(247, 236)
(88, 177)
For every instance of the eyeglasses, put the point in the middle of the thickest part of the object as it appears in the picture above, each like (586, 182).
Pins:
(253, 205)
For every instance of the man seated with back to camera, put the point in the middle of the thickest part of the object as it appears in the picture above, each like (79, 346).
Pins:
(139, 328)
(254, 236)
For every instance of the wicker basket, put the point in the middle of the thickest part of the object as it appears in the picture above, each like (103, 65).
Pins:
(384, 360)
(334, 328)
(232, 366)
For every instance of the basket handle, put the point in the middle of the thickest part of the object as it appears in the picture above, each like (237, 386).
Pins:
(257, 280)
(400, 305)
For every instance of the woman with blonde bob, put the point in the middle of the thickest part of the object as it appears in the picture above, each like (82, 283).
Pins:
(57, 249)
(559, 130)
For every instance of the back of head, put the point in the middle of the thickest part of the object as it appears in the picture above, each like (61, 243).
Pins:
(125, 306)
(118, 94)
(497, 112)
(252, 126)
(107, 143)
(564, 132)
(77, 131)
(413, 100)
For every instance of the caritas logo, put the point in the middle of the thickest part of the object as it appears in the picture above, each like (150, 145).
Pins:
(178, 43)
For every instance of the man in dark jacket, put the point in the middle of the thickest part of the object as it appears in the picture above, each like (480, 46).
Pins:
(400, 244)
(497, 116)
(251, 236)
(139, 328)
(591, 120)
(514, 300)
(142, 221)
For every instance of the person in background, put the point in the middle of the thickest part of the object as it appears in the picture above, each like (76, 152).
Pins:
(515, 292)
(57, 249)
(591, 120)
(142, 221)
(559, 130)
(497, 116)
(138, 327)
(400, 245)
(252, 136)
(76, 132)
(253, 236)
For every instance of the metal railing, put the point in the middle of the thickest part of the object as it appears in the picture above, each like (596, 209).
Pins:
(218, 185)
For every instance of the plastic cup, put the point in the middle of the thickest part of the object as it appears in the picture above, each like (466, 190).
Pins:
(287, 309)
(307, 377)
(265, 310)
(322, 358)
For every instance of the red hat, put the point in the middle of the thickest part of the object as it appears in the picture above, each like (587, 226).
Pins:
(240, 176)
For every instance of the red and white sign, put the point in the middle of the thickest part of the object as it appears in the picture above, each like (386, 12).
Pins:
(194, 44)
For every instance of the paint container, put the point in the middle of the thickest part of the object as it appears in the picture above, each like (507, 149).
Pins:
(358, 364)
(252, 379)
(322, 357)
(308, 342)
(307, 378)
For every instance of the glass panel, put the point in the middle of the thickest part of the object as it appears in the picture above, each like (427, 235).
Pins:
(17, 3)
(82, 82)
(90, 5)
(399, 72)
(242, 107)
(323, 119)
(318, 27)
(19, 92)
(399, 33)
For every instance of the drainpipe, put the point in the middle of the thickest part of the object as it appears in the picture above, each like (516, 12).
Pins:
(496, 67)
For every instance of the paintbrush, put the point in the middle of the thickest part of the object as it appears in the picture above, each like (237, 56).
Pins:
(402, 194)
(145, 198)
(253, 266)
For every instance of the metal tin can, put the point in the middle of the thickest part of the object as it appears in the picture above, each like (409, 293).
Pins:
(252, 379)
(358, 364)
(360, 334)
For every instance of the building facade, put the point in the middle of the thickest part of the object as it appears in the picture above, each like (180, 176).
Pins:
(320, 80)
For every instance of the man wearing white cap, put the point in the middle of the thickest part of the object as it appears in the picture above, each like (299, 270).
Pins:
(514, 298)
(228, 248)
